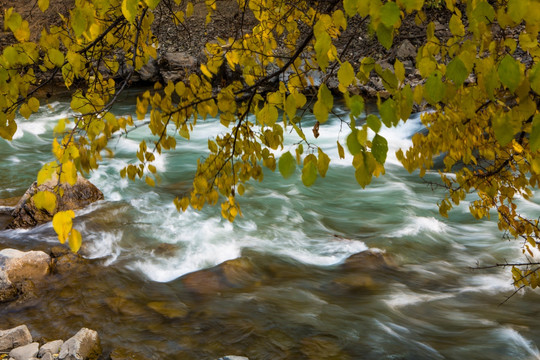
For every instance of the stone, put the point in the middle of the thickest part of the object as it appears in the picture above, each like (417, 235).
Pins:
(52, 347)
(15, 337)
(177, 61)
(25, 352)
(172, 310)
(150, 71)
(8, 292)
(406, 50)
(47, 356)
(239, 271)
(78, 196)
(233, 357)
(69, 262)
(369, 260)
(19, 265)
(84, 345)
(203, 282)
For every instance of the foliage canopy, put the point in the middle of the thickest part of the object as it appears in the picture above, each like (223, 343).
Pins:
(482, 83)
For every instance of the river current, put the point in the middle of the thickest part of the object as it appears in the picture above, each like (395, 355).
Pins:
(289, 296)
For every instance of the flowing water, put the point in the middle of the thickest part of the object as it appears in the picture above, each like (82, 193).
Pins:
(289, 295)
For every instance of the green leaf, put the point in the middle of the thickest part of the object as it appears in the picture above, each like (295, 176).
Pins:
(388, 113)
(322, 46)
(325, 95)
(129, 9)
(483, 12)
(320, 111)
(534, 78)
(352, 143)
(346, 74)
(390, 14)
(13, 20)
(517, 9)
(79, 22)
(379, 148)
(322, 163)
(509, 73)
(373, 122)
(385, 35)
(456, 71)
(350, 7)
(45, 200)
(287, 165)
(152, 4)
(534, 139)
(309, 171)
(456, 26)
(356, 105)
(502, 126)
(56, 57)
(435, 89)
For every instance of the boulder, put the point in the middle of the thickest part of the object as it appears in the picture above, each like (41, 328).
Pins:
(406, 50)
(15, 337)
(178, 61)
(84, 345)
(78, 196)
(369, 260)
(25, 352)
(52, 347)
(149, 71)
(19, 265)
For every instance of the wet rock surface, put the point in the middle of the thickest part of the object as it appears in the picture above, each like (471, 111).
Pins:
(25, 214)
(84, 345)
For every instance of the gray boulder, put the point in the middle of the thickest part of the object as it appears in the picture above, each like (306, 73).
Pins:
(78, 196)
(25, 352)
(84, 345)
(15, 337)
(19, 265)
(52, 347)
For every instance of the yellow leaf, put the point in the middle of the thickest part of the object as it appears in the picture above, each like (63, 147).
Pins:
(62, 224)
(46, 172)
(75, 240)
(129, 9)
(69, 173)
(150, 181)
(43, 5)
(189, 9)
(33, 104)
(25, 111)
(45, 200)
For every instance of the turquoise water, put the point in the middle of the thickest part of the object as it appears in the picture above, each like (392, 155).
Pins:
(294, 299)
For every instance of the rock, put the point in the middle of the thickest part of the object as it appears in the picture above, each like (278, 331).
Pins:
(47, 356)
(15, 337)
(8, 292)
(369, 260)
(58, 251)
(25, 352)
(177, 61)
(172, 310)
(78, 196)
(406, 50)
(84, 345)
(52, 347)
(19, 265)
(233, 357)
(150, 71)
(69, 262)
(238, 272)
(203, 282)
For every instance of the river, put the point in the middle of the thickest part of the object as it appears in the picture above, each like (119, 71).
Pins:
(290, 296)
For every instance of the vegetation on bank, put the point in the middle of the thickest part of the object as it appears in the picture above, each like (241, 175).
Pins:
(482, 81)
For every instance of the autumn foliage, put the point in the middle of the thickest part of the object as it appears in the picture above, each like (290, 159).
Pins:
(481, 83)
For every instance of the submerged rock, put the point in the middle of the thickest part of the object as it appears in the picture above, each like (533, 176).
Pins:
(8, 291)
(15, 337)
(84, 345)
(78, 196)
(369, 260)
(172, 310)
